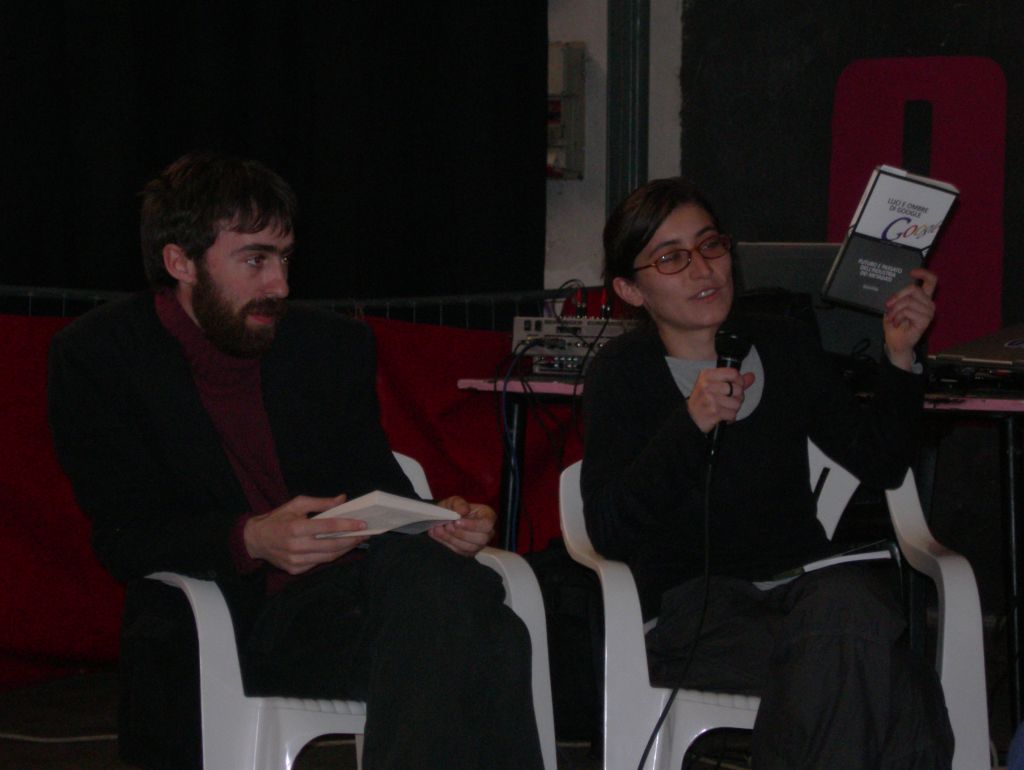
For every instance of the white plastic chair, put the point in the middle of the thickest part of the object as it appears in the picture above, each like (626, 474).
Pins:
(241, 732)
(632, 705)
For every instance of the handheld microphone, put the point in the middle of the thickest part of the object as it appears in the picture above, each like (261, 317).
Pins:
(732, 347)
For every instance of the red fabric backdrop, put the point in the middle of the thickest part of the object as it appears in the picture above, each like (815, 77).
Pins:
(60, 611)
(456, 434)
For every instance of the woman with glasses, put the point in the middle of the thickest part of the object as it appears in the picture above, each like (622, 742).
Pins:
(824, 651)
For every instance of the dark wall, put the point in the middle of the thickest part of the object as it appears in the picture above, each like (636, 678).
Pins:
(760, 82)
(414, 134)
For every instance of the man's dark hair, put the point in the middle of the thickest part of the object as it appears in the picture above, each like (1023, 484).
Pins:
(635, 220)
(201, 194)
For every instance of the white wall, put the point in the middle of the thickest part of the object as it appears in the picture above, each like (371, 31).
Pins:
(576, 208)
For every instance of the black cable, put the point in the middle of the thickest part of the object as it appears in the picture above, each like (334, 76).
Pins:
(506, 430)
(507, 433)
(558, 442)
(578, 380)
(569, 286)
(556, 436)
(700, 621)
(508, 362)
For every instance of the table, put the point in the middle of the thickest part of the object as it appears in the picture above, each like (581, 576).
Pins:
(1008, 410)
(518, 391)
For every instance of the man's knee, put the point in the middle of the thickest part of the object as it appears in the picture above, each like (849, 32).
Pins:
(427, 578)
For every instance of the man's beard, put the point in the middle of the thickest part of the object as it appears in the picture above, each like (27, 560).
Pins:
(227, 328)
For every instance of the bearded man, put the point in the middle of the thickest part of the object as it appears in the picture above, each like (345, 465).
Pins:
(200, 425)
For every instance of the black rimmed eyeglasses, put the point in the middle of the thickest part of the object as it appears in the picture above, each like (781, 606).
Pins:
(677, 260)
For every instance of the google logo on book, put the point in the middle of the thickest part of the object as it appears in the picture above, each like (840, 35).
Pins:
(892, 231)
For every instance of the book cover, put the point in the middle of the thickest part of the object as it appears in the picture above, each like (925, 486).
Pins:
(384, 512)
(894, 227)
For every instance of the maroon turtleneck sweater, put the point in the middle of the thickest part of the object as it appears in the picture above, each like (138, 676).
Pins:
(230, 390)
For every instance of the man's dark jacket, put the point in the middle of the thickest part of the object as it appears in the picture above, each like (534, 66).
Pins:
(147, 467)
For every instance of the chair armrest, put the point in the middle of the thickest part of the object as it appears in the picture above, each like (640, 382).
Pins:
(522, 592)
(218, 653)
(960, 656)
(623, 618)
(523, 596)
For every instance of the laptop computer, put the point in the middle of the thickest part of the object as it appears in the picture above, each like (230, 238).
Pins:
(803, 267)
(992, 361)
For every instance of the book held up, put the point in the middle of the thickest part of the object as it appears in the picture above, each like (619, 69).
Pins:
(384, 512)
(893, 229)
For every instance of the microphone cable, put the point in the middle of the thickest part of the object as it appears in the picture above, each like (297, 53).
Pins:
(732, 346)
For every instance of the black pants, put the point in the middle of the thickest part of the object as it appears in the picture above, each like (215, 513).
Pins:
(839, 688)
(419, 633)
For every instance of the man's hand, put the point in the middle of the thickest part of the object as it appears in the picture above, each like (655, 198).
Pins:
(908, 314)
(286, 537)
(469, 533)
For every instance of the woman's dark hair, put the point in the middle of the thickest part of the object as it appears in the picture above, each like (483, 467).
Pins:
(634, 221)
(199, 194)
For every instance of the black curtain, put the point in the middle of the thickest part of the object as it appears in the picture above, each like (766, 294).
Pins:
(413, 133)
